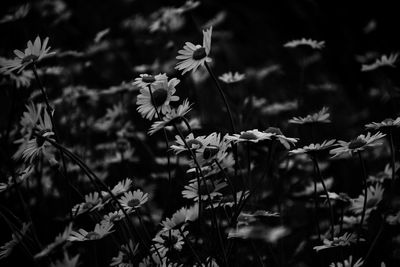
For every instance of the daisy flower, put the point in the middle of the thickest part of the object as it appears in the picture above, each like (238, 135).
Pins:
(314, 147)
(32, 54)
(168, 240)
(36, 146)
(348, 263)
(194, 143)
(192, 191)
(123, 258)
(384, 61)
(321, 116)
(305, 42)
(100, 231)
(387, 123)
(163, 93)
(180, 218)
(361, 143)
(192, 56)
(276, 134)
(214, 148)
(16, 238)
(60, 240)
(345, 240)
(120, 188)
(374, 196)
(131, 201)
(230, 77)
(145, 80)
(113, 216)
(253, 136)
(92, 202)
(174, 116)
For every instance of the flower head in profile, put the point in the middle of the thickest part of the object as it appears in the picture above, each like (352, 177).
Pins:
(385, 124)
(180, 218)
(360, 143)
(37, 146)
(144, 80)
(194, 143)
(174, 116)
(131, 201)
(253, 136)
(384, 61)
(192, 56)
(230, 77)
(345, 240)
(314, 147)
(92, 202)
(305, 42)
(162, 93)
(168, 240)
(120, 188)
(32, 54)
(348, 263)
(100, 230)
(276, 134)
(321, 116)
(113, 216)
(207, 188)
(374, 197)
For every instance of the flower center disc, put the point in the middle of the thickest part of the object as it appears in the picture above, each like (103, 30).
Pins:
(29, 59)
(133, 203)
(93, 236)
(199, 53)
(248, 136)
(194, 144)
(357, 143)
(148, 79)
(39, 139)
(273, 130)
(160, 96)
(210, 151)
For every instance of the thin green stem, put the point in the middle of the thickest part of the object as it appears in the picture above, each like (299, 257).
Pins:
(327, 196)
(221, 92)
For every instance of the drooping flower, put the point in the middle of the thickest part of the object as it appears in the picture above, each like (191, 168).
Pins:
(192, 56)
(131, 201)
(100, 231)
(163, 93)
(174, 116)
(253, 136)
(321, 116)
(360, 143)
(32, 54)
(305, 42)
(385, 124)
(276, 134)
(384, 61)
(230, 77)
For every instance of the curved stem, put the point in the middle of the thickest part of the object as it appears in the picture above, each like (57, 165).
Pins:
(365, 194)
(327, 196)
(221, 92)
(191, 248)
